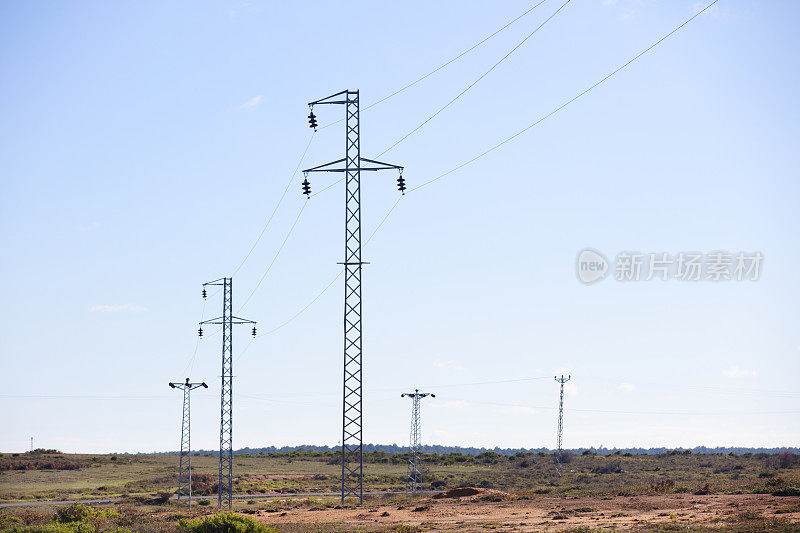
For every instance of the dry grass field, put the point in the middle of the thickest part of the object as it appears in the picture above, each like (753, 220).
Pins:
(487, 492)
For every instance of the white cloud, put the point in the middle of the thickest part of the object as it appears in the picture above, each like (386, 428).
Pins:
(240, 8)
(101, 308)
(517, 409)
(448, 364)
(252, 103)
(453, 404)
(627, 9)
(90, 227)
(571, 388)
(736, 371)
(626, 387)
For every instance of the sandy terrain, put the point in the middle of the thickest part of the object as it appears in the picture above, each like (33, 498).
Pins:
(478, 513)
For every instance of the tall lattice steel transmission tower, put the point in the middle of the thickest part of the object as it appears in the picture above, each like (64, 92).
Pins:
(227, 320)
(412, 482)
(561, 380)
(185, 463)
(352, 401)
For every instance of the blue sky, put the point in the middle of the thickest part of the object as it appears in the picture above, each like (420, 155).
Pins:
(144, 145)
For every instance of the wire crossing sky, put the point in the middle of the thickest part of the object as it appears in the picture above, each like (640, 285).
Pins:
(135, 170)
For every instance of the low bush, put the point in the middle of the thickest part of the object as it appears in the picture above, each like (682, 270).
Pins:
(788, 491)
(781, 460)
(7, 520)
(204, 484)
(703, 490)
(77, 527)
(565, 457)
(611, 467)
(224, 523)
(663, 485)
(77, 512)
(39, 464)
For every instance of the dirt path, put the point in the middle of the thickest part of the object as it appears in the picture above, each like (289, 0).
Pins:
(552, 514)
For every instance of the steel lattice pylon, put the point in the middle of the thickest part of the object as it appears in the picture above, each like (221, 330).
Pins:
(561, 380)
(352, 399)
(412, 482)
(185, 463)
(227, 320)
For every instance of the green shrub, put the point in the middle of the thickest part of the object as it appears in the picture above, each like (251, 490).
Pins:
(789, 491)
(204, 501)
(7, 520)
(224, 523)
(77, 512)
(75, 527)
(612, 467)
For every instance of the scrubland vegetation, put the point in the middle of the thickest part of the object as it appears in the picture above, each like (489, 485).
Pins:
(136, 491)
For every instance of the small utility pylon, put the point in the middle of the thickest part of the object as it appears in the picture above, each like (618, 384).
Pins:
(185, 464)
(416, 438)
(351, 166)
(227, 320)
(561, 380)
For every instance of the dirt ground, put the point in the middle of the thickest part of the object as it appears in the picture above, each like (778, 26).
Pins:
(475, 513)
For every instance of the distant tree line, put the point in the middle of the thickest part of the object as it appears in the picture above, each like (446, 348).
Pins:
(468, 450)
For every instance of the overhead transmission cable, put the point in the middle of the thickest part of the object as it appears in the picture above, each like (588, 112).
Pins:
(190, 365)
(507, 140)
(395, 93)
(277, 205)
(471, 85)
(445, 64)
(464, 91)
(568, 102)
(339, 275)
(275, 257)
(626, 412)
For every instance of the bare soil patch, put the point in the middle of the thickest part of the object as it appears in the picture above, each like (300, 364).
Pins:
(466, 509)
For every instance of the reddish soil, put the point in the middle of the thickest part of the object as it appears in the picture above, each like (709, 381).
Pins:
(482, 510)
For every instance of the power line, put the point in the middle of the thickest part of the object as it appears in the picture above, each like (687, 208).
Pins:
(517, 380)
(339, 275)
(443, 65)
(509, 139)
(471, 85)
(568, 102)
(628, 412)
(277, 205)
(275, 257)
(190, 365)
(305, 307)
(543, 408)
(395, 93)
